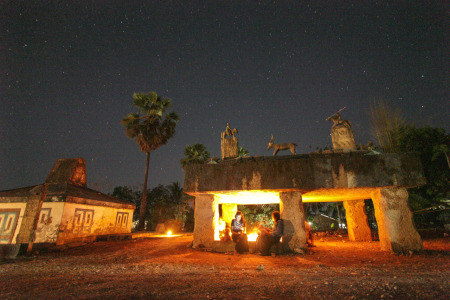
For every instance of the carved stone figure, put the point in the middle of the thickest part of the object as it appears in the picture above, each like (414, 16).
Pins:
(229, 132)
(341, 133)
(278, 147)
(229, 143)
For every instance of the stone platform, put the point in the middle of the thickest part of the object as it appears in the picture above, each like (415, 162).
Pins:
(348, 176)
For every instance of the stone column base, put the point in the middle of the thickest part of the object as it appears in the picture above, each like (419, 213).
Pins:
(205, 214)
(291, 209)
(395, 225)
(358, 229)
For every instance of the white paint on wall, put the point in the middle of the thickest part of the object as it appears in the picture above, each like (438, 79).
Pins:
(11, 216)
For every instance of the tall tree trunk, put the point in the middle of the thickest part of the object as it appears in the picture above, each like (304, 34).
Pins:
(143, 211)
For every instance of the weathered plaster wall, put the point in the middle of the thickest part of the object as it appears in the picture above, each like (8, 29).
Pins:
(11, 216)
(49, 222)
(26, 228)
(86, 220)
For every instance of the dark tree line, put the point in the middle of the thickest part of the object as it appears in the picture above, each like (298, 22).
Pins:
(164, 204)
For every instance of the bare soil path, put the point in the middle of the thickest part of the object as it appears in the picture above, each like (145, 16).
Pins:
(167, 269)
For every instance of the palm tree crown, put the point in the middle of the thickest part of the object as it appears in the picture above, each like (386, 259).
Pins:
(147, 127)
(195, 154)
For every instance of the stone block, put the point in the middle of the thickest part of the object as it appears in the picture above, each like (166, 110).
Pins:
(342, 138)
(358, 229)
(291, 209)
(205, 215)
(394, 219)
(229, 147)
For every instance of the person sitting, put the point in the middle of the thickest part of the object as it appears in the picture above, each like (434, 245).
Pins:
(268, 237)
(238, 233)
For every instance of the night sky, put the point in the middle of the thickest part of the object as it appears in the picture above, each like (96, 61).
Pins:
(68, 70)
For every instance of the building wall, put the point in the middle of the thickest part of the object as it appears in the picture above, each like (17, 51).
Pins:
(49, 222)
(80, 221)
(11, 215)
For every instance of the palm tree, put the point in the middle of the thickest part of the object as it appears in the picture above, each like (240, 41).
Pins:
(242, 152)
(151, 128)
(194, 154)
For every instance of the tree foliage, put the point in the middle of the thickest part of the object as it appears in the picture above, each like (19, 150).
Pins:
(164, 203)
(194, 154)
(126, 193)
(386, 122)
(242, 152)
(151, 128)
(255, 214)
(431, 144)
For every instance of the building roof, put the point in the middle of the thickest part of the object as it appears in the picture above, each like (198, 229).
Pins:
(63, 192)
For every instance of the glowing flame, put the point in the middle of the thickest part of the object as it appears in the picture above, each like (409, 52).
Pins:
(169, 233)
(222, 225)
(252, 236)
(248, 197)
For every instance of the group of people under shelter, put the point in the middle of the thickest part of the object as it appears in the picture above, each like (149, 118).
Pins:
(266, 237)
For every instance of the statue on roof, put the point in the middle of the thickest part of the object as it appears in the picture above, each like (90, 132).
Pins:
(229, 132)
(341, 132)
(229, 143)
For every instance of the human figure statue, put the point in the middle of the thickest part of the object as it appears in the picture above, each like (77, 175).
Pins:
(341, 133)
(229, 132)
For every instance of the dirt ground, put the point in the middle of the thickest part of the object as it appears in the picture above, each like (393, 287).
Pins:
(166, 268)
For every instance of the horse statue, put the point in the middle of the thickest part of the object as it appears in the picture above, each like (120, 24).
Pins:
(229, 132)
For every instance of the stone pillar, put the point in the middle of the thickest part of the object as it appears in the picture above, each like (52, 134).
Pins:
(32, 210)
(291, 209)
(229, 147)
(358, 229)
(394, 219)
(205, 215)
(228, 212)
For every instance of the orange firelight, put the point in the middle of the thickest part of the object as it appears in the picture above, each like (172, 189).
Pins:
(252, 236)
(169, 233)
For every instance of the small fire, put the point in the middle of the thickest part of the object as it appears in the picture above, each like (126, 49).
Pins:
(222, 225)
(169, 233)
(252, 236)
